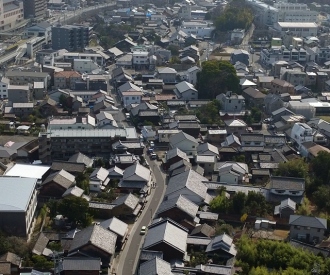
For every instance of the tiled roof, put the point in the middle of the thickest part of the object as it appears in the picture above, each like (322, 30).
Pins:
(97, 236)
(155, 266)
(223, 242)
(100, 174)
(176, 152)
(287, 183)
(67, 74)
(181, 203)
(62, 178)
(130, 200)
(75, 264)
(81, 158)
(203, 229)
(72, 167)
(204, 147)
(190, 180)
(179, 137)
(139, 170)
(308, 221)
(169, 232)
(75, 191)
(115, 225)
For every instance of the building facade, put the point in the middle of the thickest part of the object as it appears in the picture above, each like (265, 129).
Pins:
(35, 8)
(11, 15)
(70, 37)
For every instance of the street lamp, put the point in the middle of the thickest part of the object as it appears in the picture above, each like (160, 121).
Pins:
(150, 214)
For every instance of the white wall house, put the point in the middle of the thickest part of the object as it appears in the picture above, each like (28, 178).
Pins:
(131, 98)
(84, 65)
(199, 28)
(295, 12)
(140, 59)
(185, 143)
(185, 90)
(192, 74)
(301, 132)
(299, 29)
(4, 84)
(165, 134)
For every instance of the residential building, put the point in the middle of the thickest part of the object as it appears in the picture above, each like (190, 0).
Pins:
(95, 241)
(285, 209)
(253, 97)
(119, 228)
(18, 205)
(66, 79)
(56, 184)
(35, 9)
(179, 209)
(184, 142)
(42, 29)
(280, 86)
(191, 74)
(222, 246)
(231, 104)
(185, 90)
(12, 15)
(167, 236)
(70, 37)
(22, 109)
(308, 229)
(96, 57)
(240, 56)
(140, 59)
(286, 187)
(167, 74)
(189, 184)
(154, 266)
(26, 77)
(19, 93)
(98, 180)
(4, 84)
(85, 66)
(233, 172)
(82, 265)
(265, 14)
(10, 263)
(235, 126)
(300, 133)
(275, 54)
(201, 29)
(295, 12)
(300, 29)
(63, 143)
(58, 123)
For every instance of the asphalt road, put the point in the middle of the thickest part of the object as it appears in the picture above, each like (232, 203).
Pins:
(129, 257)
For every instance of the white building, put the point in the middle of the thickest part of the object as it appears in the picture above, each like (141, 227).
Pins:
(11, 14)
(4, 84)
(297, 28)
(295, 12)
(199, 28)
(96, 57)
(192, 74)
(140, 59)
(264, 13)
(131, 97)
(85, 65)
(301, 132)
(185, 90)
(274, 54)
(87, 122)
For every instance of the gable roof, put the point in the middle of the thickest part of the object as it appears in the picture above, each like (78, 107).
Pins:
(223, 242)
(12, 258)
(190, 180)
(67, 74)
(287, 203)
(184, 86)
(81, 158)
(314, 222)
(179, 137)
(156, 266)
(62, 178)
(97, 236)
(81, 263)
(203, 229)
(137, 169)
(129, 87)
(167, 70)
(74, 191)
(204, 147)
(115, 225)
(100, 174)
(169, 232)
(231, 139)
(115, 171)
(287, 183)
(129, 200)
(176, 152)
(180, 202)
(237, 167)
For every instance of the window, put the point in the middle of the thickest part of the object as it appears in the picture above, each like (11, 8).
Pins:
(193, 146)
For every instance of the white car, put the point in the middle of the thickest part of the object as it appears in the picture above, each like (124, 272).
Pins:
(143, 230)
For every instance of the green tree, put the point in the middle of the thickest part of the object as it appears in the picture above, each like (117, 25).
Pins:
(224, 228)
(216, 77)
(52, 206)
(296, 168)
(321, 198)
(41, 262)
(174, 50)
(256, 204)
(220, 204)
(238, 203)
(254, 116)
(175, 60)
(209, 113)
(76, 209)
(320, 168)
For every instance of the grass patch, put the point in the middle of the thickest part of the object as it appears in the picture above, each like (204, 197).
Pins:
(325, 118)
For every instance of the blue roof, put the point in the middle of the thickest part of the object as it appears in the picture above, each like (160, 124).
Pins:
(16, 193)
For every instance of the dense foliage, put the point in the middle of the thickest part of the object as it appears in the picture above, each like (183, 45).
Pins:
(254, 116)
(215, 78)
(209, 113)
(253, 204)
(296, 168)
(236, 16)
(280, 257)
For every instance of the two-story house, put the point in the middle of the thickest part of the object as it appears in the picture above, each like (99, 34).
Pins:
(130, 94)
(185, 90)
(184, 142)
(280, 86)
(235, 126)
(98, 179)
(300, 133)
(18, 77)
(308, 229)
(4, 84)
(286, 187)
(233, 172)
(167, 74)
(66, 79)
(231, 104)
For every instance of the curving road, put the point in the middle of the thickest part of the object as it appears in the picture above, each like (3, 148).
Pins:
(129, 257)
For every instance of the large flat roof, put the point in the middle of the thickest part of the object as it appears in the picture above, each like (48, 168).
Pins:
(297, 24)
(16, 193)
(27, 171)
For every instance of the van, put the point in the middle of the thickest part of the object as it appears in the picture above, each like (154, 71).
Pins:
(127, 116)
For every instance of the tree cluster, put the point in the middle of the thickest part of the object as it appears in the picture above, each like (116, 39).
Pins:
(254, 116)
(236, 16)
(252, 204)
(216, 77)
(280, 257)
(209, 113)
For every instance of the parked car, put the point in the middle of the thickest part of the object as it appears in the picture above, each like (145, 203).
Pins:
(150, 151)
(152, 144)
(143, 230)
(153, 156)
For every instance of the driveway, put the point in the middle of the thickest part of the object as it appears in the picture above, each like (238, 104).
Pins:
(128, 258)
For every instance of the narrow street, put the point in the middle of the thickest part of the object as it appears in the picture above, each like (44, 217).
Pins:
(128, 259)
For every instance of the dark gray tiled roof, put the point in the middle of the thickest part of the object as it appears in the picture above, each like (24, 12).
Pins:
(308, 221)
(77, 263)
(287, 183)
(181, 203)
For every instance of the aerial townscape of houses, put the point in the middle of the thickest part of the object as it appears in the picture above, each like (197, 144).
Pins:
(106, 163)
